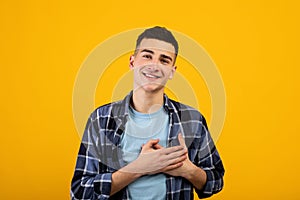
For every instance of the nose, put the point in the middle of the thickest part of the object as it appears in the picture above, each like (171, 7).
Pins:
(154, 65)
(156, 61)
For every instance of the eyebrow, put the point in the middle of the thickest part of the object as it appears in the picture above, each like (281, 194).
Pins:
(148, 51)
(162, 55)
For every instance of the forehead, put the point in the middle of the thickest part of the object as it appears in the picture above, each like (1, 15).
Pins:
(157, 45)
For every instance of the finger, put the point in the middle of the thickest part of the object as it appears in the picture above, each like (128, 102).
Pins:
(177, 160)
(149, 145)
(170, 150)
(176, 154)
(171, 167)
(158, 146)
(173, 158)
(181, 140)
(152, 142)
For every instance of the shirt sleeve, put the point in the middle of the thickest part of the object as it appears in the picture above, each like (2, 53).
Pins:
(89, 180)
(210, 161)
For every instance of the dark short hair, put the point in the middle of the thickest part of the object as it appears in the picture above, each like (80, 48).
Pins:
(159, 33)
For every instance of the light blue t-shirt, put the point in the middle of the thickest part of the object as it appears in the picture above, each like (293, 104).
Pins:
(139, 129)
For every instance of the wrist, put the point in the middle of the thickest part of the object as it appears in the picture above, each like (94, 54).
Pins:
(191, 171)
(196, 176)
(132, 170)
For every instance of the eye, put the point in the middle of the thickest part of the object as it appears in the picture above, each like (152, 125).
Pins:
(147, 56)
(164, 61)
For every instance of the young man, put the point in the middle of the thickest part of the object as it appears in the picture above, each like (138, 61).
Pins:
(147, 146)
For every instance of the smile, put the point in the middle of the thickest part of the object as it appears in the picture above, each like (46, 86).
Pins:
(150, 75)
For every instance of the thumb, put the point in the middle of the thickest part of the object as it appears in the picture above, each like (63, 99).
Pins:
(152, 142)
(181, 140)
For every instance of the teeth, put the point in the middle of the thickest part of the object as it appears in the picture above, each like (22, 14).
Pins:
(150, 76)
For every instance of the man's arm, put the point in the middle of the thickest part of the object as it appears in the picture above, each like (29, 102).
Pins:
(189, 171)
(196, 176)
(150, 161)
(121, 179)
(207, 174)
(91, 180)
(209, 160)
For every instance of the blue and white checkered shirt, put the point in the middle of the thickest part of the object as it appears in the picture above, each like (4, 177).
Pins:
(100, 152)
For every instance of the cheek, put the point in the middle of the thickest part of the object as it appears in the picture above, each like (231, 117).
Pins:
(136, 72)
(139, 62)
(167, 72)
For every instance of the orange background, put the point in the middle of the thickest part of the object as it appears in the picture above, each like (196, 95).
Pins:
(255, 45)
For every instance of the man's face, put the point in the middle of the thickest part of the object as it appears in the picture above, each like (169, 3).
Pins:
(153, 64)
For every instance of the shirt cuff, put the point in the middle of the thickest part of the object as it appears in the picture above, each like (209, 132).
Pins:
(207, 189)
(102, 185)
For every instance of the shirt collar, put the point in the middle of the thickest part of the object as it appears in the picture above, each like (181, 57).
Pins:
(168, 105)
(123, 110)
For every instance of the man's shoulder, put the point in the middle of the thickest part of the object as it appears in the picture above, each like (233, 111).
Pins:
(190, 117)
(184, 109)
(182, 106)
(105, 110)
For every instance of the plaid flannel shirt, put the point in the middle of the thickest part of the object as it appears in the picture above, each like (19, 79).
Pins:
(100, 152)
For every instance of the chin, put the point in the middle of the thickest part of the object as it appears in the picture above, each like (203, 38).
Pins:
(152, 88)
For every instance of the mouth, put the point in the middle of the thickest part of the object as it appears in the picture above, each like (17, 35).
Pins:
(151, 76)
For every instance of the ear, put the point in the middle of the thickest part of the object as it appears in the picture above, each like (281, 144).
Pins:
(131, 61)
(172, 72)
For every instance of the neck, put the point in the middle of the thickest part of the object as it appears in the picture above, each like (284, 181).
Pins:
(147, 102)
